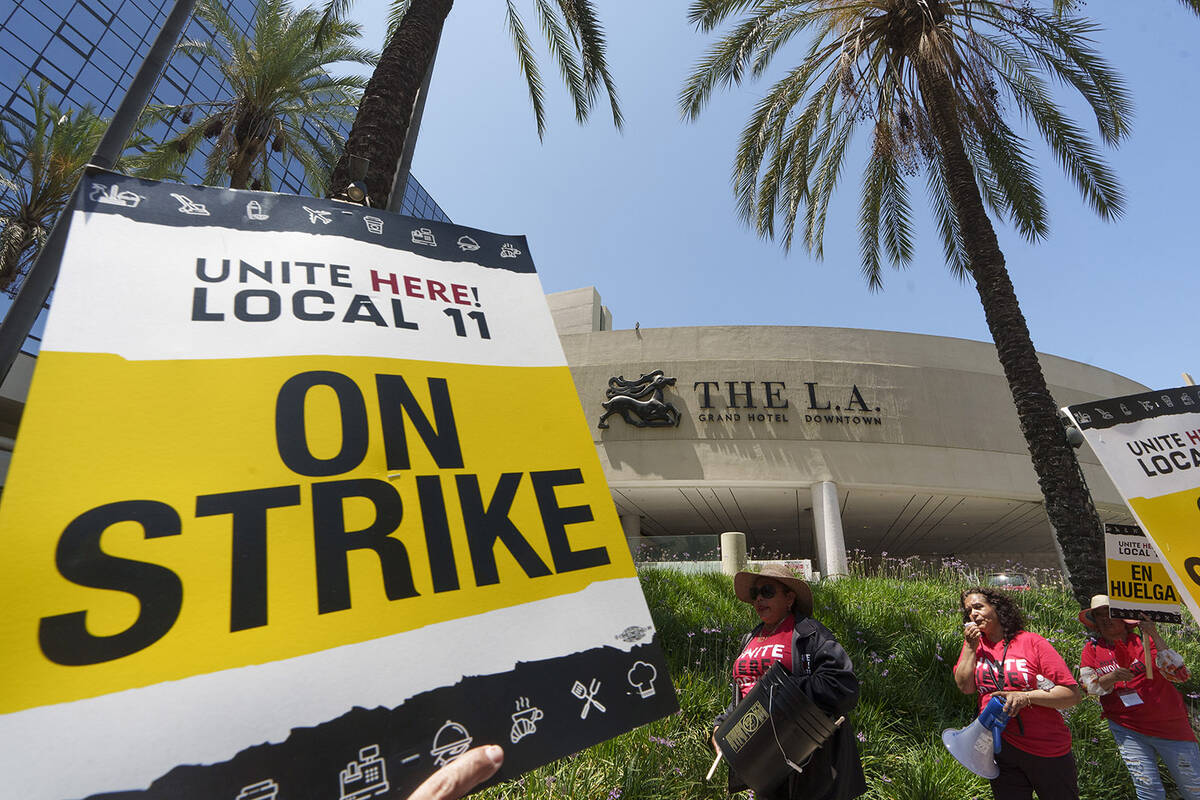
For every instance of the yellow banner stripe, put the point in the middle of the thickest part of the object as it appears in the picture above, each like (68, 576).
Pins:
(198, 437)
(1173, 520)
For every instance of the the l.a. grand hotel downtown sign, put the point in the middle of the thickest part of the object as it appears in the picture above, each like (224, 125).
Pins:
(645, 402)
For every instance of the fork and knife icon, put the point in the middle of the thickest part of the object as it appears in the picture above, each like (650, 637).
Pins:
(588, 695)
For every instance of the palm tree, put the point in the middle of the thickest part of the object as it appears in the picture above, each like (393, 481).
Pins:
(281, 97)
(573, 36)
(45, 158)
(934, 78)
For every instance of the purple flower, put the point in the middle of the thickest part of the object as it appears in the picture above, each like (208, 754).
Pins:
(862, 737)
(615, 793)
(662, 741)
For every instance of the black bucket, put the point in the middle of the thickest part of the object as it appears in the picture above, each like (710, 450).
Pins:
(773, 724)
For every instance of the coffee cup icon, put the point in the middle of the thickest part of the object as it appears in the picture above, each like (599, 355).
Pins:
(524, 723)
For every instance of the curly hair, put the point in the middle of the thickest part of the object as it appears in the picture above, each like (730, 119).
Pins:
(1012, 620)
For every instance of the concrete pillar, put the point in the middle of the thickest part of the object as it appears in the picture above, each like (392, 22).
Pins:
(830, 541)
(733, 552)
(631, 524)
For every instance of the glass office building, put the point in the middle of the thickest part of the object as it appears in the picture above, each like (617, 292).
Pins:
(88, 51)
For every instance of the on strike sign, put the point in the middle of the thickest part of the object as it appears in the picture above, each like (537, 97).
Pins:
(1149, 444)
(304, 505)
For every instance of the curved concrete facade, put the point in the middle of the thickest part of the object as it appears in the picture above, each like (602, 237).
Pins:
(916, 435)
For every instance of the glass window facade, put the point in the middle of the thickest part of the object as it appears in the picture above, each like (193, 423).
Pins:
(88, 51)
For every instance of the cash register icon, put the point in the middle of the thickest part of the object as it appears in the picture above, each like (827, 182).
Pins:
(365, 777)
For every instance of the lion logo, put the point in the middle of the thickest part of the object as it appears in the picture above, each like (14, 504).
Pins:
(640, 403)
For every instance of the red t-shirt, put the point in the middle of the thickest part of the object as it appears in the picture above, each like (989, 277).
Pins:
(1041, 731)
(760, 655)
(1160, 712)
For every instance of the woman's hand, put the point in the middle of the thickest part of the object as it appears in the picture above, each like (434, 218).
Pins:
(1015, 701)
(461, 775)
(1110, 679)
(964, 670)
(1148, 628)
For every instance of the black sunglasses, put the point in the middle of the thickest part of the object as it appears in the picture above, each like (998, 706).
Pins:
(766, 590)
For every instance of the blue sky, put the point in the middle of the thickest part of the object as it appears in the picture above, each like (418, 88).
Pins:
(646, 215)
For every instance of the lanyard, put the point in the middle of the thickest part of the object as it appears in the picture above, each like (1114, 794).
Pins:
(999, 677)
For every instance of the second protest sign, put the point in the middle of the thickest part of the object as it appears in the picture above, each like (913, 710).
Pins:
(1149, 444)
(1138, 584)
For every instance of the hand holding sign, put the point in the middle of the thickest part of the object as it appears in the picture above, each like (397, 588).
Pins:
(461, 775)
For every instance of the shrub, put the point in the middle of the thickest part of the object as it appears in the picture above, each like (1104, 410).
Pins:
(901, 628)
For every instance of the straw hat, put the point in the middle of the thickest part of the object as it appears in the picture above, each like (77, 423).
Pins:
(1098, 601)
(742, 582)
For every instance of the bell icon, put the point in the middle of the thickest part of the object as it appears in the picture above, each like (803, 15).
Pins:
(975, 745)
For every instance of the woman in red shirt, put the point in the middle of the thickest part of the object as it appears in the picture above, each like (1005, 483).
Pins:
(999, 657)
(818, 667)
(1146, 715)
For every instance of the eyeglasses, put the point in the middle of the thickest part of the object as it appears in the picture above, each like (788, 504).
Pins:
(767, 591)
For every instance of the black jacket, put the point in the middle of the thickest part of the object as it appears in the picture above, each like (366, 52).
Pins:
(822, 670)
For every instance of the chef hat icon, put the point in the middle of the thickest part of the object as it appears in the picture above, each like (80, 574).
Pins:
(450, 742)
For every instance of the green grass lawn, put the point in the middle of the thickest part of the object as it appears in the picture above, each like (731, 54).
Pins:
(902, 631)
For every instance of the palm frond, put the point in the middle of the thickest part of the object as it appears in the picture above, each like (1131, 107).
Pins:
(528, 66)
(562, 48)
(1017, 193)
(946, 215)
(725, 64)
(708, 14)
(584, 23)
(1066, 6)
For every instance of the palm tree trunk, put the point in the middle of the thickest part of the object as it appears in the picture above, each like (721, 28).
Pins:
(239, 171)
(1068, 503)
(383, 115)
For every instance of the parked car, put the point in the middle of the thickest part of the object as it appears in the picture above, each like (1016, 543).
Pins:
(1016, 581)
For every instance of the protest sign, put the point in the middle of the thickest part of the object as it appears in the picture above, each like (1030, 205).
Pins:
(1138, 585)
(304, 505)
(1149, 444)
